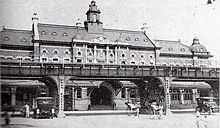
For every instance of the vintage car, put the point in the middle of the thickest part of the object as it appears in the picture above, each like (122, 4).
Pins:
(44, 107)
(207, 104)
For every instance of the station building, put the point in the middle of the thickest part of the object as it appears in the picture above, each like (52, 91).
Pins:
(93, 44)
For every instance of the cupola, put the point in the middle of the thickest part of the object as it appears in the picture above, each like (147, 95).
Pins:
(93, 23)
(199, 50)
(196, 47)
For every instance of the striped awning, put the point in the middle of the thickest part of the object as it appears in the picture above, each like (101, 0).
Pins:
(128, 84)
(80, 83)
(196, 85)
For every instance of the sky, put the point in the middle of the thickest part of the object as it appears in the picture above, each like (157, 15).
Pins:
(166, 19)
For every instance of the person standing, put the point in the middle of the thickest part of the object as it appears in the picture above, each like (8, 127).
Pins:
(27, 110)
(7, 118)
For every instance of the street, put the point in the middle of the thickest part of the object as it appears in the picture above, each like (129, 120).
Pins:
(116, 121)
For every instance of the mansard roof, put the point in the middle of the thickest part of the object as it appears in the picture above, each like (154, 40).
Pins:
(16, 37)
(63, 33)
(173, 48)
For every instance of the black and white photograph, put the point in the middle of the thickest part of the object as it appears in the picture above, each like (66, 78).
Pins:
(109, 63)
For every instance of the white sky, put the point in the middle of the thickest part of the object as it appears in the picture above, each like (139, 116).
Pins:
(166, 19)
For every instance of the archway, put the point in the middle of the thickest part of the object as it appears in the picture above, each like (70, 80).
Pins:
(101, 96)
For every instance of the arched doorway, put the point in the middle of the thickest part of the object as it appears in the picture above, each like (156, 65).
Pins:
(102, 97)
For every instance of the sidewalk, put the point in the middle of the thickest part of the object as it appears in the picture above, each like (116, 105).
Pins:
(103, 112)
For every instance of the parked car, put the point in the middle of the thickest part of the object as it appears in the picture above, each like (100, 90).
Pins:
(207, 104)
(44, 107)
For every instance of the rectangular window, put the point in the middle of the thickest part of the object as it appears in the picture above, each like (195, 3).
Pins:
(79, 60)
(55, 59)
(123, 93)
(175, 95)
(187, 95)
(79, 93)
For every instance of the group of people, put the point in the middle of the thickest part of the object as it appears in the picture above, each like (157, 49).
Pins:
(25, 112)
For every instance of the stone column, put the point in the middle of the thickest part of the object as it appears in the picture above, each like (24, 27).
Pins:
(95, 53)
(107, 54)
(116, 55)
(167, 82)
(61, 80)
(181, 96)
(13, 96)
(194, 93)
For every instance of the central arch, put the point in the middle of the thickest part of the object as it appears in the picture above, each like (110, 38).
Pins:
(101, 96)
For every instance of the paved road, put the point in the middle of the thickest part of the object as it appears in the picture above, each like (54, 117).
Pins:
(117, 121)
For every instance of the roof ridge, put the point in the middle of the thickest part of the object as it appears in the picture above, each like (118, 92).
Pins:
(59, 25)
(15, 30)
(176, 41)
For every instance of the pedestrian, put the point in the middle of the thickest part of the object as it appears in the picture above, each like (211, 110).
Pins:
(138, 106)
(197, 118)
(7, 118)
(160, 111)
(205, 122)
(27, 110)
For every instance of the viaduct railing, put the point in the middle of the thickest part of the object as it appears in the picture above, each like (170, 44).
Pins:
(14, 68)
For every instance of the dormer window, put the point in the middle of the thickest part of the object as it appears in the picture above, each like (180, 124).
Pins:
(201, 50)
(6, 39)
(54, 34)
(170, 49)
(145, 40)
(64, 34)
(43, 33)
(23, 40)
(182, 49)
(128, 38)
(136, 39)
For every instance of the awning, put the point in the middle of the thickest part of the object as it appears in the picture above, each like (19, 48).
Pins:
(128, 84)
(22, 83)
(80, 83)
(196, 85)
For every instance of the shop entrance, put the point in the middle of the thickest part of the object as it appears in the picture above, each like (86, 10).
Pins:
(101, 98)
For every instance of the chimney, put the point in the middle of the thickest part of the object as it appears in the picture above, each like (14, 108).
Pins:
(34, 27)
(144, 28)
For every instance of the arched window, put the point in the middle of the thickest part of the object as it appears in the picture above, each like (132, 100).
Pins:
(94, 18)
(66, 52)
(122, 55)
(79, 53)
(55, 51)
(44, 51)
(132, 55)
